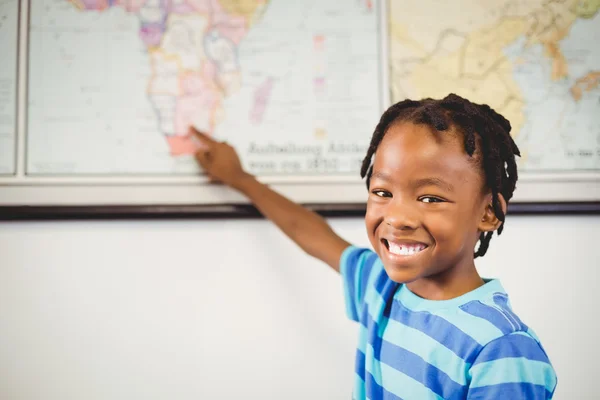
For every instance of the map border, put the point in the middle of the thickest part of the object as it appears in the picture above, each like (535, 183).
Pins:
(26, 197)
(16, 99)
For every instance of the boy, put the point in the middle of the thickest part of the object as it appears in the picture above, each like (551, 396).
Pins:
(440, 174)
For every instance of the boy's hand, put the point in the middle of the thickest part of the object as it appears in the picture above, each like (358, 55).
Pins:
(219, 160)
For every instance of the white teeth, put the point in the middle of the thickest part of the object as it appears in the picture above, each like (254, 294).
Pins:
(405, 250)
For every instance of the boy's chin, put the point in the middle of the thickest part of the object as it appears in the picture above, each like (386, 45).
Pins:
(403, 275)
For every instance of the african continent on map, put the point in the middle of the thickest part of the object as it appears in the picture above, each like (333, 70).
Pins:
(192, 46)
(537, 62)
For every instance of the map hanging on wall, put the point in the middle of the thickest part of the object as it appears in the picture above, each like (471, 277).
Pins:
(96, 96)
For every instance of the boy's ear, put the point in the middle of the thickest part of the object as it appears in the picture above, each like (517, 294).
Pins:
(489, 221)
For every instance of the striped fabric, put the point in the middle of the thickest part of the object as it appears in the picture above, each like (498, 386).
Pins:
(470, 347)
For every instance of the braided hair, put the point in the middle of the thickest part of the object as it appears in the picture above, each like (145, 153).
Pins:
(497, 147)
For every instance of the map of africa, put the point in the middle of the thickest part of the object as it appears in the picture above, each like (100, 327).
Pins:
(114, 85)
(537, 62)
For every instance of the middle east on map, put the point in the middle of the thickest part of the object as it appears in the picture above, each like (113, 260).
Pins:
(537, 62)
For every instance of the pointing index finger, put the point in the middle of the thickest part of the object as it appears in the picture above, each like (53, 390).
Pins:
(202, 137)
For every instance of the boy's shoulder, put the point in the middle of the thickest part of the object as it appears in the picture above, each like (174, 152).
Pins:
(509, 358)
(482, 329)
(486, 314)
(489, 319)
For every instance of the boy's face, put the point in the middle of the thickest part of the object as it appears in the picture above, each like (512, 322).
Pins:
(426, 203)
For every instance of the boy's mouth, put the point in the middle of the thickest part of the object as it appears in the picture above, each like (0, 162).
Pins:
(403, 248)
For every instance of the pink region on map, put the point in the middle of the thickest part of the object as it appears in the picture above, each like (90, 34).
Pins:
(183, 7)
(132, 5)
(191, 83)
(151, 34)
(202, 6)
(189, 110)
(210, 71)
(232, 27)
(93, 4)
(181, 145)
(319, 83)
(194, 83)
(128, 5)
(319, 42)
(261, 99)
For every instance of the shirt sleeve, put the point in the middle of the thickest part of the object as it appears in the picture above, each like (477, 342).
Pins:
(515, 367)
(358, 266)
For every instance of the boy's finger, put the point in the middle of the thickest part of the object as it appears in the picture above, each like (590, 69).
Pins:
(202, 157)
(203, 137)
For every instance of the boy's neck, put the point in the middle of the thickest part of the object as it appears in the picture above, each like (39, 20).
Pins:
(447, 285)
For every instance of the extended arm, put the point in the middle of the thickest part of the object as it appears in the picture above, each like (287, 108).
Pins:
(306, 228)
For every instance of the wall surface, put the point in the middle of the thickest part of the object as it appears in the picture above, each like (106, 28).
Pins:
(232, 309)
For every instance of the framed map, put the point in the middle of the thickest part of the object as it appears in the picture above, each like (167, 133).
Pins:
(96, 101)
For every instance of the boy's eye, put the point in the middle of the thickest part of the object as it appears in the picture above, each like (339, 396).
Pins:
(431, 199)
(381, 193)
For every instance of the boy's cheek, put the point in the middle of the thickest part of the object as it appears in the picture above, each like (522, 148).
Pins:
(373, 240)
(373, 218)
(440, 226)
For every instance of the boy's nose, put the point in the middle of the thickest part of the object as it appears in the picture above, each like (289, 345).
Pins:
(401, 216)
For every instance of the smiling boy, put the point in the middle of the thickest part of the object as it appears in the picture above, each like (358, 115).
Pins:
(440, 174)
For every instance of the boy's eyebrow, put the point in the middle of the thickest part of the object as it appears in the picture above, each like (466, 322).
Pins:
(381, 175)
(434, 182)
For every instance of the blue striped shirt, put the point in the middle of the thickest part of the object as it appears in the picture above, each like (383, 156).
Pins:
(470, 347)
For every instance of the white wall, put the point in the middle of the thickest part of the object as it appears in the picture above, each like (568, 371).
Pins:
(231, 309)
